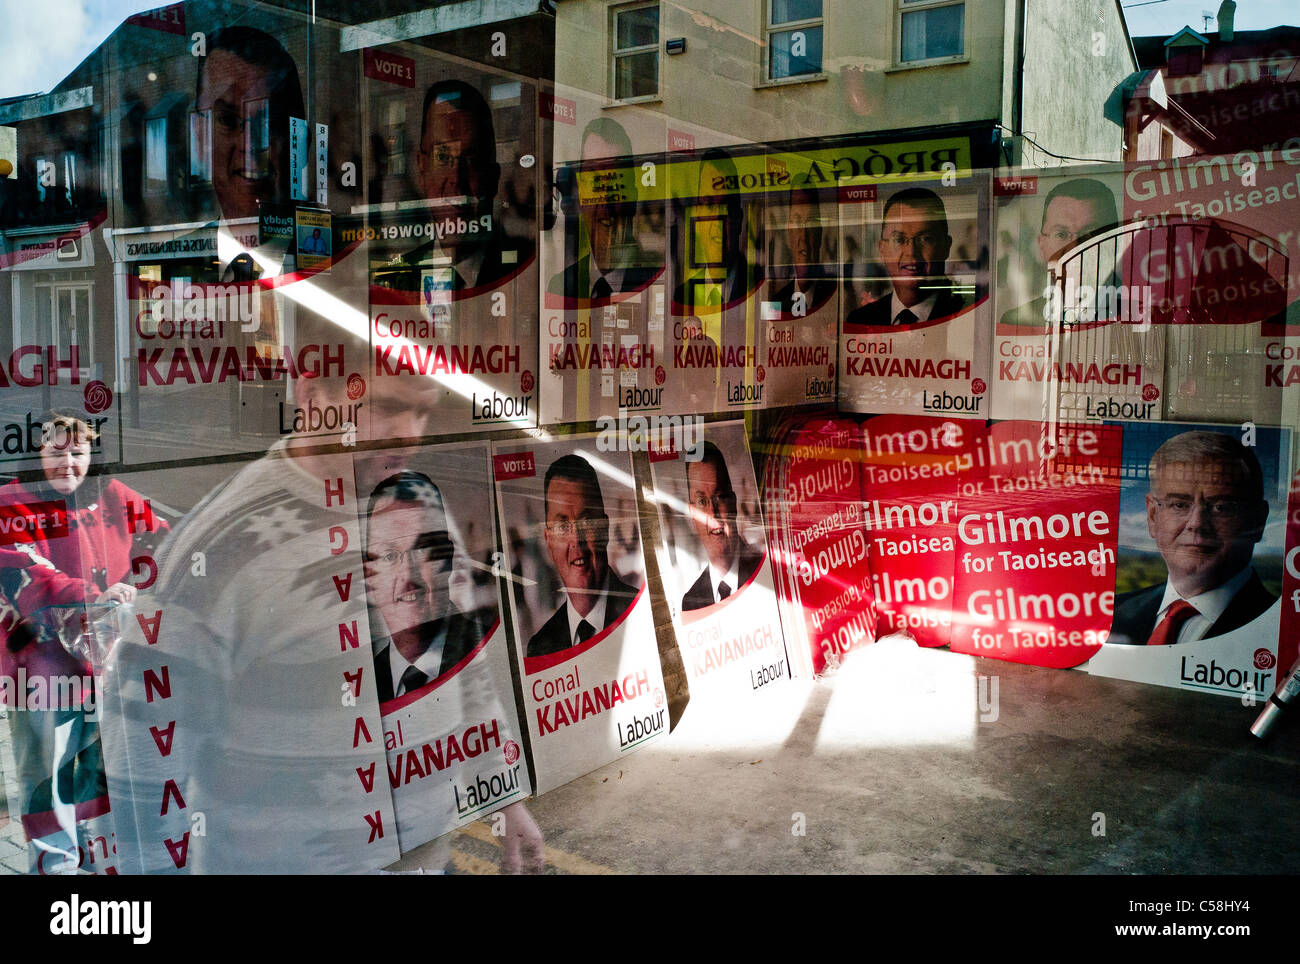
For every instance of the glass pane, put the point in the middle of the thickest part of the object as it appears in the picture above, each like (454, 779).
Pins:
(155, 151)
(636, 75)
(785, 11)
(796, 52)
(200, 141)
(928, 34)
(636, 28)
(44, 316)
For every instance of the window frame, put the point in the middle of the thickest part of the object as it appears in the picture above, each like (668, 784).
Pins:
(771, 28)
(902, 7)
(616, 53)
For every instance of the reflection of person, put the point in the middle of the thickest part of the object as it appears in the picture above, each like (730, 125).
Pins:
(732, 561)
(250, 84)
(1205, 511)
(1073, 210)
(264, 746)
(811, 284)
(58, 751)
(577, 540)
(457, 171)
(913, 248)
(719, 269)
(410, 556)
(613, 261)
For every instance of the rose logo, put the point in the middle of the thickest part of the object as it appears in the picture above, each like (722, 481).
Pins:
(526, 382)
(978, 387)
(830, 371)
(356, 386)
(659, 698)
(511, 751)
(98, 397)
(1150, 393)
(760, 373)
(1264, 659)
(661, 376)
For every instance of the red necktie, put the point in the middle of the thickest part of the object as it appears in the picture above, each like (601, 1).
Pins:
(1167, 631)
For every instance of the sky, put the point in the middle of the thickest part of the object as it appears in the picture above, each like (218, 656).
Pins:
(42, 40)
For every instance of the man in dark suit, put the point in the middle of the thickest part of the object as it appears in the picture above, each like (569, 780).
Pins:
(1072, 211)
(913, 248)
(612, 261)
(458, 173)
(577, 537)
(732, 561)
(1205, 511)
(410, 554)
(809, 282)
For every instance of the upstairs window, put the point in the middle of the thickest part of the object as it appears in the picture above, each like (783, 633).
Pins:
(930, 30)
(635, 54)
(794, 38)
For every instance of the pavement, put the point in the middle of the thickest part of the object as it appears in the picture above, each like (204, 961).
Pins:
(919, 761)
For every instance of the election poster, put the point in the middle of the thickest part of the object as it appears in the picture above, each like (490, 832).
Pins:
(1215, 256)
(1202, 536)
(242, 728)
(1075, 339)
(592, 684)
(913, 338)
(915, 471)
(450, 232)
(602, 262)
(716, 566)
(440, 653)
(813, 488)
(1036, 542)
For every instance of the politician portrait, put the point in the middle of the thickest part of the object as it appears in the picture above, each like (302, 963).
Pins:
(730, 561)
(588, 554)
(412, 555)
(913, 248)
(459, 178)
(1206, 508)
(603, 215)
(1073, 211)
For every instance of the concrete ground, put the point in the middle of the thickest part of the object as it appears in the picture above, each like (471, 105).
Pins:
(927, 762)
(887, 767)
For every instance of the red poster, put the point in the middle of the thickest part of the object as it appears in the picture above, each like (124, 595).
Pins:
(912, 470)
(815, 519)
(1036, 542)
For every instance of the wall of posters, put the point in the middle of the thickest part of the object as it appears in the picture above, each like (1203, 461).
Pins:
(593, 687)
(716, 568)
